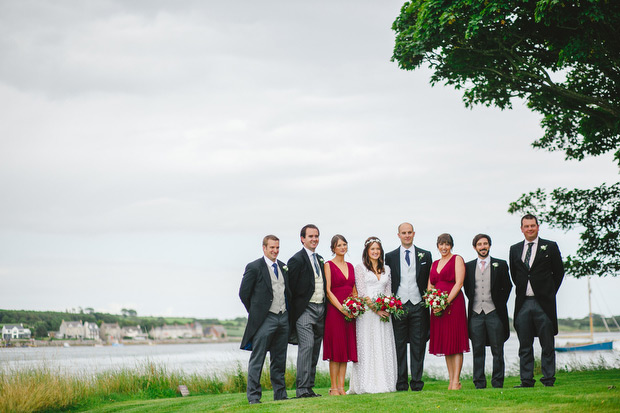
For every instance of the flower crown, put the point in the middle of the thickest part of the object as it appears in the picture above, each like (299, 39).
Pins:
(370, 241)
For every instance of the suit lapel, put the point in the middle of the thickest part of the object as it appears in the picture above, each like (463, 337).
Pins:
(396, 269)
(309, 264)
(520, 254)
(539, 250)
(471, 281)
(493, 273)
(266, 276)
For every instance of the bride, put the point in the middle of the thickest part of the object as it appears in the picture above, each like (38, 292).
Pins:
(375, 371)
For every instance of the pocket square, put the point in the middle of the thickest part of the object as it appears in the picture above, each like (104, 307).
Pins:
(422, 263)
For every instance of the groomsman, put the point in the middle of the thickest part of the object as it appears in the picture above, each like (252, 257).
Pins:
(307, 280)
(487, 286)
(537, 272)
(410, 268)
(265, 293)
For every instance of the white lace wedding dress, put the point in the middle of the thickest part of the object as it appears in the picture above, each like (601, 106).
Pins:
(375, 370)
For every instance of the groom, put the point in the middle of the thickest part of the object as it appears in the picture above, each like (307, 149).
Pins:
(410, 268)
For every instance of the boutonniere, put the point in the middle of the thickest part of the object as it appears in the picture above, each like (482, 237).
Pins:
(495, 265)
(543, 247)
(321, 260)
(285, 268)
(420, 255)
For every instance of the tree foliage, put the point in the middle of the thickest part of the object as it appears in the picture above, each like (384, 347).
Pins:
(562, 57)
(594, 211)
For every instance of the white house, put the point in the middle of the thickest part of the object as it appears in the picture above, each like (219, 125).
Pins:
(133, 333)
(91, 331)
(71, 329)
(14, 331)
(172, 331)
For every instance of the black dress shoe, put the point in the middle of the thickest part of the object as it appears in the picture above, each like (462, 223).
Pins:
(522, 386)
(254, 401)
(305, 395)
(313, 394)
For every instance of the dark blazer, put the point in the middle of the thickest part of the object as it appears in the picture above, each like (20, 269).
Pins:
(301, 278)
(500, 290)
(545, 275)
(422, 266)
(256, 294)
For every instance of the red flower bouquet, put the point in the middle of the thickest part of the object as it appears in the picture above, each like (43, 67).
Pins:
(354, 306)
(391, 304)
(436, 300)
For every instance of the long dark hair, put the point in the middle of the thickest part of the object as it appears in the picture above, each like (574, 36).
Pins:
(366, 258)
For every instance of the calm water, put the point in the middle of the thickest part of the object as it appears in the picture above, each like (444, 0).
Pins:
(215, 358)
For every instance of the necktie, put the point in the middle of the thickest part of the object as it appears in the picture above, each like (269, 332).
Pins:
(407, 259)
(528, 254)
(275, 269)
(482, 265)
(316, 264)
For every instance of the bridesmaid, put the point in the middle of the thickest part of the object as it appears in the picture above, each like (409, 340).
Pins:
(339, 346)
(449, 328)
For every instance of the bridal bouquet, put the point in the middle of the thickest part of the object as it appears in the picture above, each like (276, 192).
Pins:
(354, 306)
(391, 304)
(436, 300)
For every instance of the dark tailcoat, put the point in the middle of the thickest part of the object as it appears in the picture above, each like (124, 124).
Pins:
(422, 266)
(545, 275)
(500, 290)
(301, 278)
(256, 294)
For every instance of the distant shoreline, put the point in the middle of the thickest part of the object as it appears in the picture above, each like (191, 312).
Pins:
(15, 343)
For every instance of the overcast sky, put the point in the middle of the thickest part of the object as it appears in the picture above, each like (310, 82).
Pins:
(146, 147)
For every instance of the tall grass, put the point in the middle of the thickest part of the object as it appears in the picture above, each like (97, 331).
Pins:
(42, 388)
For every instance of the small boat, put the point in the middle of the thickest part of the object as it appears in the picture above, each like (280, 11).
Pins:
(591, 345)
(604, 345)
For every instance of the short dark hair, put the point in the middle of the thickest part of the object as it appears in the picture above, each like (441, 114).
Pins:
(445, 239)
(479, 237)
(268, 238)
(335, 240)
(366, 259)
(529, 216)
(303, 230)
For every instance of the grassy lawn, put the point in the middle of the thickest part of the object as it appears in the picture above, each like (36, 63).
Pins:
(579, 391)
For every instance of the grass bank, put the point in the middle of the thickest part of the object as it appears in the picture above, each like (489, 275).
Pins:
(582, 391)
(153, 389)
